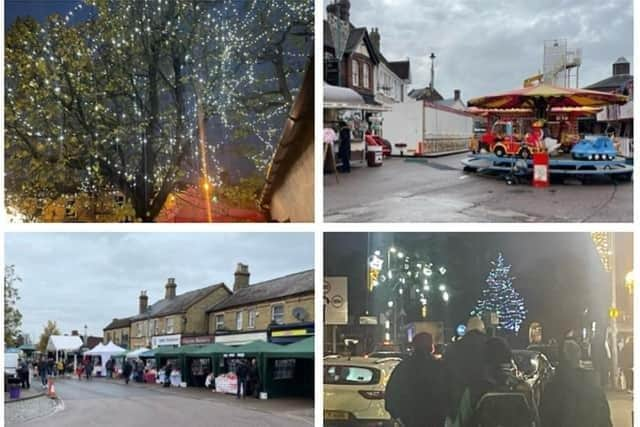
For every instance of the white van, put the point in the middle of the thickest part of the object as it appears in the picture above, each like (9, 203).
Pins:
(11, 365)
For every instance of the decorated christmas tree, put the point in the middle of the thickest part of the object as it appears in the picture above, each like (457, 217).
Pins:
(500, 297)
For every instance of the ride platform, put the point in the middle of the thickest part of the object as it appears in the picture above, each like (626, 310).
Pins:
(561, 166)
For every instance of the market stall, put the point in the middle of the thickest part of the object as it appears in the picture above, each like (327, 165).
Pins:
(290, 369)
(176, 356)
(103, 353)
(201, 361)
(65, 344)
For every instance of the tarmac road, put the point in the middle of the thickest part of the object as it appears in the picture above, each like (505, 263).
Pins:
(437, 190)
(103, 403)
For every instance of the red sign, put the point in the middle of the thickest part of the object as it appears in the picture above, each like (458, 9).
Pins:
(206, 339)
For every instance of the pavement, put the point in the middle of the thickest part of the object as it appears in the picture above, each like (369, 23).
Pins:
(621, 406)
(438, 190)
(101, 402)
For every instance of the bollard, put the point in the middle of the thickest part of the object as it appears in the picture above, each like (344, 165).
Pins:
(51, 389)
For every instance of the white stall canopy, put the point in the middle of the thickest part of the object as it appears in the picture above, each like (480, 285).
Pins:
(342, 98)
(135, 354)
(65, 343)
(104, 352)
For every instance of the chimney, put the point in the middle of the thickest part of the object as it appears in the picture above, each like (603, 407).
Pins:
(170, 288)
(241, 277)
(340, 9)
(456, 94)
(374, 36)
(621, 67)
(143, 302)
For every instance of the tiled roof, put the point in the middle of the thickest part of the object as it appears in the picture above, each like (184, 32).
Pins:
(618, 81)
(118, 323)
(178, 304)
(400, 68)
(293, 284)
(426, 94)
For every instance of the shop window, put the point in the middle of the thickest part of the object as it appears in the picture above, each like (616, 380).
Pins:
(219, 321)
(252, 318)
(277, 314)
(170, 325)
(239, 320)
(355, 73)
(284, 369)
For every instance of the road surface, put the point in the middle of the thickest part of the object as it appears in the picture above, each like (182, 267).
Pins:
(104, 403)
(437, 190)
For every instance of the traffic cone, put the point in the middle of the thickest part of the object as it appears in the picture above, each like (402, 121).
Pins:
(51, 389)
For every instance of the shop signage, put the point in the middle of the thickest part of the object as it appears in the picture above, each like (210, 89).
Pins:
(291, 333)
(336, 303)
(239, 339)
(207, 339)
(165, 340)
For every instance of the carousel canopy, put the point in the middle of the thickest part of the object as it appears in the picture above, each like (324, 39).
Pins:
(544, 95)
(64, 343)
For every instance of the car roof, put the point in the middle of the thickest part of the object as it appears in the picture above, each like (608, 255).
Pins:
(363, 361)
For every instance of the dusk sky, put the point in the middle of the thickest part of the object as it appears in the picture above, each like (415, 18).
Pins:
(90, 278)
(484, 47)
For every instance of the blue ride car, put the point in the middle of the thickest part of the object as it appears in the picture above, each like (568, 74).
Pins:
(599, 148)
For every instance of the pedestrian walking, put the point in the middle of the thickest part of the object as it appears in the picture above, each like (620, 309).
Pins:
(242, 373)
(79, 370)
(465, 363)
(126, 371)
(626, 362)
(167, 375)
(50, 367)
(572, 398)
(108, 366)
(43, 370)
(254, 379)
(344, 151)
(415, 394)
(88, 369)
(23, 373)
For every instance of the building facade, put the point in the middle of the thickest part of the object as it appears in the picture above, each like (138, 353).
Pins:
(175, 319)
(278, 310)
(118, 331)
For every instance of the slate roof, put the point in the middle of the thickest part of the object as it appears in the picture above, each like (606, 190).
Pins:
(401, 68)
(118, 323)
(355, 35)
(178, 304)
(426, 94)
(618, 81)
(292, 284)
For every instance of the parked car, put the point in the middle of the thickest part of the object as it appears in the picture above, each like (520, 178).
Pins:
(354, 391)
(10, 368)
(598, 148)
(536, 370)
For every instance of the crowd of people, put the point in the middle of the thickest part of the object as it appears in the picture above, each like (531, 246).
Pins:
(476, 380)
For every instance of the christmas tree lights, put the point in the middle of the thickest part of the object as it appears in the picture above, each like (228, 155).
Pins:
(500, 297)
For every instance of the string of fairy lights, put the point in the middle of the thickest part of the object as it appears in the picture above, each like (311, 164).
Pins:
(78, 89)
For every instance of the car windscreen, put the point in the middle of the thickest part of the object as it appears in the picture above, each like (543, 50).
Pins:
(350, 375)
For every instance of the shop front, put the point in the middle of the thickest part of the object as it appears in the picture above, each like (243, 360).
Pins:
(166, 340)
(287, 334)
(240, 338)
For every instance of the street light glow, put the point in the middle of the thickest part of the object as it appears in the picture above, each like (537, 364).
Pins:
(442, 287)
(445, 296)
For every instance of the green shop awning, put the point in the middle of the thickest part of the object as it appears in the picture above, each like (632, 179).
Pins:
(209, 350)
(171, 352)
(253, 348)
(303, 349)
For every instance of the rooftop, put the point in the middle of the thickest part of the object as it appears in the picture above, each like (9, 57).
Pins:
(292, 284)
(178, 304)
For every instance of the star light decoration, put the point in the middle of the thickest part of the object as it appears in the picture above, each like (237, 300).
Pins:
(408, 277)
(93, 104)
(501, 297)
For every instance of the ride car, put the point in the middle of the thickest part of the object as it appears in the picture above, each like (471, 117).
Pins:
(354, 391)
(598, 148)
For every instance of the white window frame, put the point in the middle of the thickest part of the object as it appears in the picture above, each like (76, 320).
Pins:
(273, 317)
(251, 322)
(239, 320)
(355, 73)
(365, 76)
(169, 325)
(219, 325)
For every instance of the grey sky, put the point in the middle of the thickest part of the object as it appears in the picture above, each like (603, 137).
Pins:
(78, 278)
(491, 46)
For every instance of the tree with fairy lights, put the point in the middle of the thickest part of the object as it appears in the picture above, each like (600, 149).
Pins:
(500, 297)
(133, 99)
